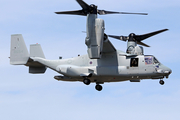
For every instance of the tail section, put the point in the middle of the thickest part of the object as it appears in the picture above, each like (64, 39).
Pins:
(18, 54)
(36, 51)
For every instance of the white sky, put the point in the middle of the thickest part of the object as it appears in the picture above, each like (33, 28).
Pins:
(24, 96)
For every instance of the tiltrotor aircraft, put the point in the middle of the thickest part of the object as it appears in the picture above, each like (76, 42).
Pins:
(103, 63)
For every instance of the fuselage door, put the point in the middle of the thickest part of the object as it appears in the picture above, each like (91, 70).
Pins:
(134, 66)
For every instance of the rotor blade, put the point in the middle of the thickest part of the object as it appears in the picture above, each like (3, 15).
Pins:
(83, 4)
(76, 12)
(143, 44)
(123, 38)
(104, 12)
(145, 36)
(133, 13)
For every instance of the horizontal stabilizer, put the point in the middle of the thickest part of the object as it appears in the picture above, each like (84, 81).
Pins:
(19, 54)
(36, 67)
(37, 70)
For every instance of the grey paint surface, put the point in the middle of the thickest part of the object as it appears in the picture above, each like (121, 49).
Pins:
(113, 66)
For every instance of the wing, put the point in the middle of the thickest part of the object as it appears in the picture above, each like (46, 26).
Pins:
(108, 47)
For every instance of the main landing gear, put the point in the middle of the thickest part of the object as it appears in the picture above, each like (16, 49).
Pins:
(86, 81)
(98, 87)
(161, 82)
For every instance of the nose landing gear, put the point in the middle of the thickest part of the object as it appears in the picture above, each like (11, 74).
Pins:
(161, 82)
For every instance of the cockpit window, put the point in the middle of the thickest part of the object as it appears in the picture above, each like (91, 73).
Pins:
(156, 61)
(150, 60)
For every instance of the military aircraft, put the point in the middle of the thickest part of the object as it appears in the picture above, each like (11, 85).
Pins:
(103, 63)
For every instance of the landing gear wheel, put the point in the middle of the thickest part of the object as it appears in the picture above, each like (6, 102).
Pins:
(98, 87)
(161, 82)
(86, 81)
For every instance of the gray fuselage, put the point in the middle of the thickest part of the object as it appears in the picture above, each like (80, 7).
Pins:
(112, 67)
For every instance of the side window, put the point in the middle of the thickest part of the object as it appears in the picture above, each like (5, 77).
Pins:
(134, 62)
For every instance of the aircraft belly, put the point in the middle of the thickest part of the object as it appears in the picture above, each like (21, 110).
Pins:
(103, 74)
(107, 71)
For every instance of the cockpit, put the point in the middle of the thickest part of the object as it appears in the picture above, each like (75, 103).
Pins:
(149, 59)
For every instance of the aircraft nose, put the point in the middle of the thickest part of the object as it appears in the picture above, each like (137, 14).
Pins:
(170, 71)
(167, 70)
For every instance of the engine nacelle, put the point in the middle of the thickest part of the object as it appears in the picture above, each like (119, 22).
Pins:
(132, 48)
(139, 50)
(95, 38)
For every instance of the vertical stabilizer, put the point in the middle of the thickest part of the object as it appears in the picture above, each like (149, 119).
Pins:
(18, 54)
(36, 51)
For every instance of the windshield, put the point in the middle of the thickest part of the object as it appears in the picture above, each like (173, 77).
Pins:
(150, 60)
(156, 61)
